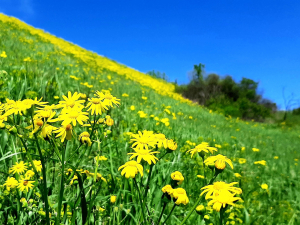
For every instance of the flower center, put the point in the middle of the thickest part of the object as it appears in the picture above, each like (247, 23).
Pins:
(96, 101)
(73, 114)
(70, 103)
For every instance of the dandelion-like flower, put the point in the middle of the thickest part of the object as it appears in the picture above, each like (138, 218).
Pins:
(47, 131)
(18, 168)
(177, 176)
(71, 101)
(264, 186)
(214, 189)
(202, 148)
(180, 195)
(72, 116)
(29, 174)
(219, 161)
(10, 182)
(84, 138)
(108, 98)
(38, 165)
(172, 145)
(261, 162)
(113, 199)
(167, 189)
(100, 158)
(143, 140)
(131, 168)
(25, 184)
(97, 106)
(146, 155)
(222, 199)
(162, 141)
(65, 132)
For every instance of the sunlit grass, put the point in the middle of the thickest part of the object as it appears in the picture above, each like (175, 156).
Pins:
(40, 65)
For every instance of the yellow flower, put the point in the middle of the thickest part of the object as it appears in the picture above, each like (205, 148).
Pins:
(47, 131)
(242, 160)
(125, 95)
(71, 101)
(264, 186)
(261, 162)
(72, 116)
(109, 122)
(108, 98)
(146, 155)
(99, 176)
(200, 208)
(46, 112)
(3, 54)
(143, 140)
(18, 168)
(97, 106)
(178, 177)
(100, 209)
(214, 189)
(200, 176)
(132, 108)
(202, 148)
(25, 184)
(222, 199)
(100, 158)
(276, 157)
(10, 182)
(113, 198)
(237, 175)
(172, 145)
(29, 174)
(243, 149)
(255, 149)
(219, 161)
(73, 179)
(162, 141)
(168, 188)
(131, 168)
(180, 195)
(84, 138)
(38, 165)
(65, 132)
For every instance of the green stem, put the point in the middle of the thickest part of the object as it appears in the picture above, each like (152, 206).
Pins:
(162, 212)
(140, 197)
(91, 205)
(148, 182)
(45, 191)
(61, 193)
(192, 210)
(221, 216)
(170, 213)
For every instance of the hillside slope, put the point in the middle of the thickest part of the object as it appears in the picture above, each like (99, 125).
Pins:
(41, 65)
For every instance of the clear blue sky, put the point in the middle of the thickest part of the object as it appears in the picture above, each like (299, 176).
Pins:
(256, 39)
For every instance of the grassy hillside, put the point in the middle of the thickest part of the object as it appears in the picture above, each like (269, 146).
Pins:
(38, 64)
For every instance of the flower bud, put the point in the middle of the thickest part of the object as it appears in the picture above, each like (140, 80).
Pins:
(109, 122)
(113, 199)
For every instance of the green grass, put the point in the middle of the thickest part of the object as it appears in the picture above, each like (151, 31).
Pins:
(48, 75)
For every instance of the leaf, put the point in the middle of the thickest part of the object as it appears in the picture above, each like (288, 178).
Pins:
(8, 156)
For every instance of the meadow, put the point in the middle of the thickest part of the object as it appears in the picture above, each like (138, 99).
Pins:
(69, 118)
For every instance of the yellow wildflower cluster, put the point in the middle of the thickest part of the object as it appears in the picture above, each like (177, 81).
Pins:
(144, 143)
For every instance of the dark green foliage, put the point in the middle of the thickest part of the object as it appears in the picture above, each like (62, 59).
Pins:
(227, 96)
(158, 74)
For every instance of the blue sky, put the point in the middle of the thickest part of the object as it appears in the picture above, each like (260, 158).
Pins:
(259, 40)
